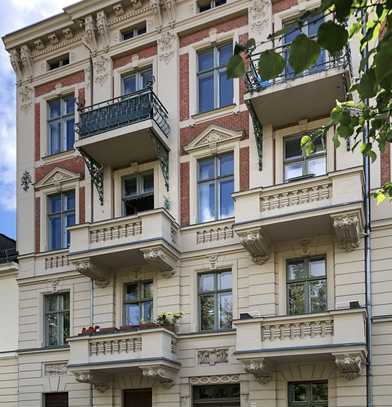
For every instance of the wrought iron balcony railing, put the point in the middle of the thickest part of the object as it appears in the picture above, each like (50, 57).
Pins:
(123, 111)
(255, 82)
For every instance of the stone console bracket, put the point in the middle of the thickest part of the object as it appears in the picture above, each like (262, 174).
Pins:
(260, 369)
(89, 269)
(256, 243)
(349, 365)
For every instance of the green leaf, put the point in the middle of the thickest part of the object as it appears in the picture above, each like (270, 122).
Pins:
(235, 67)
(367, 87)
(355, 28)
(238, 48)
(251, 44)
(271, 64)
(342, 9)
(307, 144)
(380, 197)
(382, 61)
(304, 53)
(332, 37)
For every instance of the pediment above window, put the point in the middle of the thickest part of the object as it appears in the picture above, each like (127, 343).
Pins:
(213, 136)
(56, 177)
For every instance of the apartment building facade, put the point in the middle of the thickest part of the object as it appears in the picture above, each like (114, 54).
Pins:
(151, 183)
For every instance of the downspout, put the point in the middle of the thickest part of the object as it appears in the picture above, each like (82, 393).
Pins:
(91, 103)
(367, 246)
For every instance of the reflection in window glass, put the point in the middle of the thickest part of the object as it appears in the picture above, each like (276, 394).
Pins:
(222, 395)
(308, 394)
(57, 319)
(138, 193)
(138, 303)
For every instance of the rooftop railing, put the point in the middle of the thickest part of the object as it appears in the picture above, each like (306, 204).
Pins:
(122, 111)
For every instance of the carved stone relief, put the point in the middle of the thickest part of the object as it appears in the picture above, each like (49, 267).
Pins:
(212, 356)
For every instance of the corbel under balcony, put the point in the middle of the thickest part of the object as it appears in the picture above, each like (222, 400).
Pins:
(100, 381)
(91, 270)
(348, 229)
(160, 258)
(160, 374)
(260, 369)
(349, 365)
(256, 243)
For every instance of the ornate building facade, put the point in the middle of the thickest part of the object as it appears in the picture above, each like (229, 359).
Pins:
(151, 184)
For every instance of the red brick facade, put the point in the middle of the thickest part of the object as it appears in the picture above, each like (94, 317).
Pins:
(385, 163)
(184, 193)
(239, 122)
(82, 205)
(37, 132)
(280, 5)
(124, 59)
(69, 80)
(223, 26)
(244, 168)
(184, 86)
(37, 210)
(75, 164)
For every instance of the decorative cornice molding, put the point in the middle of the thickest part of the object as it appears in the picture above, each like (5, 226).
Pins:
(260, 369)
(256, 243)
(348, 229)
(89, 269)
(349, 365)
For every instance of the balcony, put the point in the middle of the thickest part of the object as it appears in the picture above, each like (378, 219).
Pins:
(149, 353)
(129, 128)
(340, 336)
(330, 204)
(309, 95)
(97, 249)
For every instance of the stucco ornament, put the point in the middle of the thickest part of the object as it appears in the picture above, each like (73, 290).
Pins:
(101, 69)
(16, 62)
(88, 37)
(212, 356)
(349, 365)
(166, 46)
(26, 96)
(260, 15)
(260, 370)
(103, 29)
(26, 181)
(27, 61)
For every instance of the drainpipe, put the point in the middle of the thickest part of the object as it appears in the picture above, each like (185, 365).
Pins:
(367, 247)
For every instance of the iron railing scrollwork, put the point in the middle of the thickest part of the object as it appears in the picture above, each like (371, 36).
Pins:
(258, 132)
(96, 173)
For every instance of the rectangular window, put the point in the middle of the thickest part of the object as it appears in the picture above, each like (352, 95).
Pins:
(138, 302)
(56, 319)
(308, 394)
(297, 165)
(61, 124)
(205, 5)
(56, 399)
(306, 286)
(133, 31)
(136, 81)
(58, 62)
(138, 193)
(61, 214)
(215, 178)
(219, 395)
(215, 89)
(215, 300)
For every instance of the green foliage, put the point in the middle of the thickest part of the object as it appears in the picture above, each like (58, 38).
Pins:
(368, 102)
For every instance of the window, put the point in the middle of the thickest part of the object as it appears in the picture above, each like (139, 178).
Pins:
(227, 395)
(215, 88)
(134, 31)
(215, 186)
(138, 303)
(61, 214)
(215, 300)
(298, 165)
(58, 62)
(61, 124)
(138, 193)
(56, 319)
(205, 5)
(308, 394)
(56, 399)
(306, 286)
(136, 81)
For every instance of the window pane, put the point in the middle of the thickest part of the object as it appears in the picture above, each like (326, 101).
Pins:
(317, 268)
(293, 147)
(70, 134)
(69, 105)
(226, 201)
(226, 165)
(129, 84)
(147, 290)
(146, 77)
(225, 89)
(52, 329)
(147, 311)
(225, 53)
(133, 314)
(51, 303)
(55, 232)
(206, 202)
(299, 392)
(206, 93)
(66, 332)
(206, 282)
(148, 183)
(130, 186)
(206, 169)
(206, 60)
(319, 391)
(65, 301)
(207, 312)
(131, 293)
(293, 170)
(225, 310)
(317, 166)
(296, 270)
(70, 221)
(54, 108)
(55, 137)
(224, 280)
(69, 200)
(296, 299)
(318, 295)
(319, 144)
(55, 203)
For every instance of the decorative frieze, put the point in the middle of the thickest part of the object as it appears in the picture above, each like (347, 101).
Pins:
(214, 234)
(256, 243)
(297, 330)
(212, 356)
(116, 231)
(349, 365)
(260, 369)
(115, 346)
(348, 228)
(222, 379)
(295, 197)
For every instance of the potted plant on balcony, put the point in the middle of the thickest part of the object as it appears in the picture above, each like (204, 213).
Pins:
(169, 320)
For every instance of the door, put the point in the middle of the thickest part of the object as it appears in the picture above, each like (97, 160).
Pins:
(137, 398)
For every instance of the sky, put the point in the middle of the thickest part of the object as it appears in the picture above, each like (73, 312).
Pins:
(14, 14)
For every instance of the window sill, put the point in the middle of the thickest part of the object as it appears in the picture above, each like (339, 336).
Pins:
(198, 117)
(58, 156)
(199, 334)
